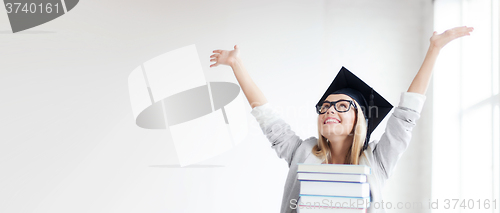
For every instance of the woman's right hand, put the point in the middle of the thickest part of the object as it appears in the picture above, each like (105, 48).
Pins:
(231, 58)
(226, 57)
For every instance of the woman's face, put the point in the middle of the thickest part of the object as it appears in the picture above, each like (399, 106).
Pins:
(333, 123)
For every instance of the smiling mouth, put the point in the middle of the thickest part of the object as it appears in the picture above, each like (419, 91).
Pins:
(331, 121)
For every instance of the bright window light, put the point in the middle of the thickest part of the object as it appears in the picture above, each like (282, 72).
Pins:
(466, 112)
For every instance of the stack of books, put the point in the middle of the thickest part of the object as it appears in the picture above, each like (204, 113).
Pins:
(339, 188)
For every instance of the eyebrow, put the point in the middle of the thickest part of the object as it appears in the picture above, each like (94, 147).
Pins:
(338, 100)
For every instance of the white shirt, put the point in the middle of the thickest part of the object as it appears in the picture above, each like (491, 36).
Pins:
(381, 155)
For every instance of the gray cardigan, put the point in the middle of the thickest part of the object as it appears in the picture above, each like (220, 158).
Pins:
(381, 155)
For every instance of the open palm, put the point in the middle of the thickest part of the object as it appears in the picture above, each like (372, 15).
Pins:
(226, 57)
(440, 40)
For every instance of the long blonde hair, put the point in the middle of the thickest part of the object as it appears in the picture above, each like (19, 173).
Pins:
(322, 149)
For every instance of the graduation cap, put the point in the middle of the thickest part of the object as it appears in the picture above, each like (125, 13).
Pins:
(373, 105)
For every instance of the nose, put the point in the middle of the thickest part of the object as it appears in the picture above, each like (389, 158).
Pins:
(331, 110)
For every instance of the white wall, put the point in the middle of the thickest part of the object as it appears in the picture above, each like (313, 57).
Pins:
(69, 142)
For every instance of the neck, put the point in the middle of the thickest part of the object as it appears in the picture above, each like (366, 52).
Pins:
(339, 147)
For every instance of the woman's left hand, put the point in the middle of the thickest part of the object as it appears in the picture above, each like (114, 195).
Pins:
(439, 40)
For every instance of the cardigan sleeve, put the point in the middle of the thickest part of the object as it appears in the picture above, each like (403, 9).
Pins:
(283, 140)
(397, 135)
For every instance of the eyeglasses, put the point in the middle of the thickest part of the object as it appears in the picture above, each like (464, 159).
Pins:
(340, 106)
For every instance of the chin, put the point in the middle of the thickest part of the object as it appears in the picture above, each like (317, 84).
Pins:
(333, 130)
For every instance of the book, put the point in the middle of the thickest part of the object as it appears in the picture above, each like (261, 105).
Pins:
(334, 168)
(334, 201)
(331, 177)
(333, 188)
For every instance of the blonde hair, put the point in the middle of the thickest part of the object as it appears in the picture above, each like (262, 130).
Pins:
(322, 149)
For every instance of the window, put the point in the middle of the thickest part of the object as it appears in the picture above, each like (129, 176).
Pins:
(466, 107)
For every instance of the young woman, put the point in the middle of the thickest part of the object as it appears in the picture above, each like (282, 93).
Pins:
(342, 128)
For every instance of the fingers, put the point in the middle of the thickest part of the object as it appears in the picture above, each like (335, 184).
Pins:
(462, 31)
(214, 58)
(457, 32)
(440, 40)
(469, 30)
(466, 30)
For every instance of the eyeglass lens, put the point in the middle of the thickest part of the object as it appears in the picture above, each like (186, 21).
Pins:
(340, 106)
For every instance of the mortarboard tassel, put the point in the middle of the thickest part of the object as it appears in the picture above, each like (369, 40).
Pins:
(368, 126)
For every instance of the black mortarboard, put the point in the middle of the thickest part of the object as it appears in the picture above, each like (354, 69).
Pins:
(374, 106)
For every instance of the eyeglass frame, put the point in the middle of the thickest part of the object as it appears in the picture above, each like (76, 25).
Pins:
(334, 104)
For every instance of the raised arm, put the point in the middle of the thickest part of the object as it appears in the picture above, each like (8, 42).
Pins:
(398, 132)
(231, 58)
(283, 140)
(438, 41)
